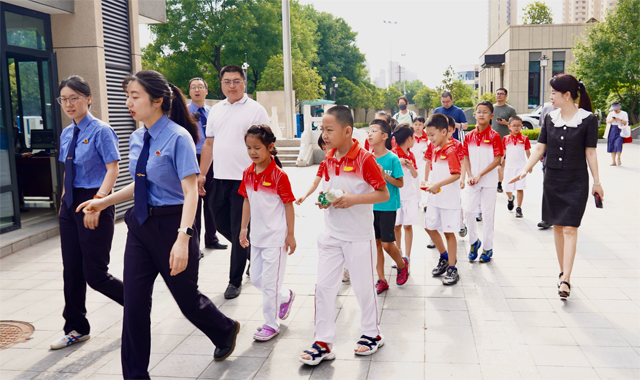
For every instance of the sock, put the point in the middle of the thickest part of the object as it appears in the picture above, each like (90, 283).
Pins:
(444, 255)
(499, 184)
(454, 267)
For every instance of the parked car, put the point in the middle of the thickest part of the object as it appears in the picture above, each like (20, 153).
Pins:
(532, 120)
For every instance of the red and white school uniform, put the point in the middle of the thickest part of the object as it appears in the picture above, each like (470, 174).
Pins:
(443, 212)
(267, 193)
(515, 148)
(482, 148)
(348, 239)
(421, 145)
(322, 173)
(407, 214)
(461, 155)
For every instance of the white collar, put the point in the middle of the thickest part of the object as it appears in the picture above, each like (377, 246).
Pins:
(243, 100)
(558, 121)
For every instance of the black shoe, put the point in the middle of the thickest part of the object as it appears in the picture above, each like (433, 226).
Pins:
(500, 187)
(442, 266)
(518, 212)
(431, 245)
(510, 203)
(248, 272)
(231, 292)
(216, 245)
(544, 225)
(222, 353)
(201, 255)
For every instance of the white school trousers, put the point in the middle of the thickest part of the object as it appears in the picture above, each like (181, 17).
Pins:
(267, 273)
(360, 258)
(485, 199)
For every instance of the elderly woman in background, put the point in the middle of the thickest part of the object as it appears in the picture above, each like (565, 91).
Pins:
(616, 121)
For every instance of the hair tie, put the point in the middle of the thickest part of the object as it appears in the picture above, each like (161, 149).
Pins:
(581, 85)
(259, 127)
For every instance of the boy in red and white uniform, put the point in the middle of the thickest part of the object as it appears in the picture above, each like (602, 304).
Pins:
(518, 148)
(483, 146)
(421, 145)
(443, 212)
(348, 237)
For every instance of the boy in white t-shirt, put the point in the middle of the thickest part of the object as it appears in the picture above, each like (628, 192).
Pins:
(517, 149)
(348, 238)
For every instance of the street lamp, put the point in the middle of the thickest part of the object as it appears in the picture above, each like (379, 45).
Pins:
(324, 88)
(544, 62)
(334, 88)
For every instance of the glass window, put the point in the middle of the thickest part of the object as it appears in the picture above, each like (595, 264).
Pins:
(534, 84)
(558, 63)
(7, 212)
(25, 31)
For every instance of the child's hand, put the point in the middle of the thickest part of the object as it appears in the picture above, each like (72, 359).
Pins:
(290, 244)
(320, 205)
(381, 169)
(477, 179)
(530, 170)
(519, 177)
(300, 200)
(244, 242)
(462, 184)
(345, 201)
(433, 188)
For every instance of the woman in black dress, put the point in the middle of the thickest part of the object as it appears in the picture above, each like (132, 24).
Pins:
(569, 135)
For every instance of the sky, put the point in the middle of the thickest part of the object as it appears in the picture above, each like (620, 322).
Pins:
(432, 34)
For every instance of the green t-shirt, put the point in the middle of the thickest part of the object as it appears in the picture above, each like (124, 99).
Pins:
(391, 165)
(502, 112)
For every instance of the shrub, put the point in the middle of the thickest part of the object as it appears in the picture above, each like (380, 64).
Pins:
(361, 125)
(601, 132)
(532, 134)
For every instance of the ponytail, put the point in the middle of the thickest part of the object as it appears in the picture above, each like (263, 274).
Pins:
(264, 133)
(585, 100)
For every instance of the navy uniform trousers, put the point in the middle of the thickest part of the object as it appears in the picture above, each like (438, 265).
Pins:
(85, 258)
(146, 255)
(210, 237)
(226, 206)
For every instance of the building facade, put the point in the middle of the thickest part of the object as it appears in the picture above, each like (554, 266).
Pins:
(469, 74)
(513, 61)
(502, 13)
(579, 11)
(43, 42)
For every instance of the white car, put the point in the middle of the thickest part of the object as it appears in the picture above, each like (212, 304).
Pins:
(532, 120)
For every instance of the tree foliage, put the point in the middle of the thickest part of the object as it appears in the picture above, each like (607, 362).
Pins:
(371, 98)
(537, 12)
(427, 99)
(461, 93)
(412, 88)
(390, 97)
(607, 60)
(306, 81)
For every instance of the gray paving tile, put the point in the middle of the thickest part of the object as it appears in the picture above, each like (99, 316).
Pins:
(612, 357)
(234, 368)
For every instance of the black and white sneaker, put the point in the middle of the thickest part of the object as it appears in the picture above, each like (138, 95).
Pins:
(430, 244)
(510, 203)
(500, 187)
(442, 266)
(451, 277)
(519, 212)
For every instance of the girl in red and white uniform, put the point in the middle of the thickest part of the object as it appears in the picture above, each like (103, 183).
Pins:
(407, 214)
(269, 205)
(421, 145)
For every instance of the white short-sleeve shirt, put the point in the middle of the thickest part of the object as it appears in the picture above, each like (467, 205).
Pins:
(515, 148)
(227, 124)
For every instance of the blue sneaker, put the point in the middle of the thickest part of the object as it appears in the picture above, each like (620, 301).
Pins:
(486, 256)
(473, 252)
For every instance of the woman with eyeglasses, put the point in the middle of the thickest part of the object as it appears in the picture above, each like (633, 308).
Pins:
(89, 150)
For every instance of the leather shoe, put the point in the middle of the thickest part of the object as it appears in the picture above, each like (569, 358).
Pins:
(216, 245)
(231, 292)
(544, 225)
(223, 352)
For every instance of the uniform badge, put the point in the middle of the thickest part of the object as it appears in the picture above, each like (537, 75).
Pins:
(348, 168)
(266, 183)
(85, 141)
(157, 153)
(487, 141)
(521, 141)
(443, 157)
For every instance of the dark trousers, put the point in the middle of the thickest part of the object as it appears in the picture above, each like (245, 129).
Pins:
(146, 255)
(85, 258)
(210, 237)
(226, 207)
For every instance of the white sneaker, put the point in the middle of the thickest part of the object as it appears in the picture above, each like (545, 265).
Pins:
(345, 276)
(69, 339)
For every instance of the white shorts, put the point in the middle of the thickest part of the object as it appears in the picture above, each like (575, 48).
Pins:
(442, 219)
(509, 174)
(407, 214)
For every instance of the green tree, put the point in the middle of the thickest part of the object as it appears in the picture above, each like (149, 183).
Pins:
(390, 97)
(537, 12)
(306, 81)
(607, 59)
(460, 92)
(412, 88)
(490, 96)
(349, 93)
(371, 98)
(427, 99)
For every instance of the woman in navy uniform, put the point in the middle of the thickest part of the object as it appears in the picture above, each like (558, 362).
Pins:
(89, 149)
(164, 167)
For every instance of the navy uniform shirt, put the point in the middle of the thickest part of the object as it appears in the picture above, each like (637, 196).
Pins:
(172, 157)
(96, 146)
(456, 113)
(201, 128)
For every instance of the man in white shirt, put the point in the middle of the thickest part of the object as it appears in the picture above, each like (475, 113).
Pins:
(227, 124)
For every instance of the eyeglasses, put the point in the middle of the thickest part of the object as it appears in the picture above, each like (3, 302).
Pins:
(500, 94)
(198, 88)
(482, 113)
(72, 100)
(236, 82)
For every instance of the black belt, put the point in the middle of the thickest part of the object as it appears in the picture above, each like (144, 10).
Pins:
(164, 210)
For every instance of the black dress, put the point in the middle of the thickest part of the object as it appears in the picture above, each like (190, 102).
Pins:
(566, 179)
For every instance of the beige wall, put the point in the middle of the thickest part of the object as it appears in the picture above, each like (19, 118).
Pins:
(269, 99)
(516, 44)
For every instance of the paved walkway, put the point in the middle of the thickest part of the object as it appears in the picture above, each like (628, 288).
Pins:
(503, 320)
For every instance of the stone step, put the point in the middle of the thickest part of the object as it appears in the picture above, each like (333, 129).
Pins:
(288, 157)
(287, 143)
(288, 149)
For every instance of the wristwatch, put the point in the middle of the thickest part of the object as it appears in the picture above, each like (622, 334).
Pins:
(187, 231)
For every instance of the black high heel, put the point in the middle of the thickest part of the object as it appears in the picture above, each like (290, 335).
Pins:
(559, 277)
(564, 293)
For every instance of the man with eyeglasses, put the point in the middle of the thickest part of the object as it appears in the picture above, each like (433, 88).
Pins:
(227, 124)
(448, 109)
(500, 123)
(198, 91)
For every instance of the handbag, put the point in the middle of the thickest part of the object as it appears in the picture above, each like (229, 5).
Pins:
(625, 131)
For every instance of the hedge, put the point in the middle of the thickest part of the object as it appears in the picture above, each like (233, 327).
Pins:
(361, 125)
(533, 134)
